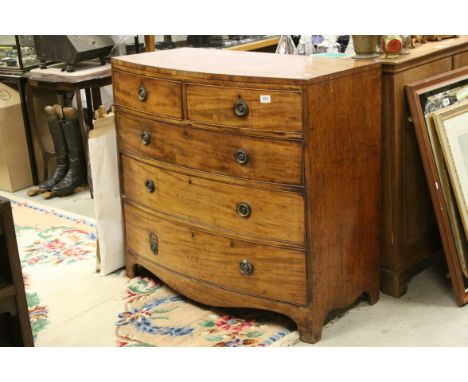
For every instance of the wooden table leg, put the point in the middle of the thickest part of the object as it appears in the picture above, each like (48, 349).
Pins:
(89, 109)
(150, 43)
(27, 127)
(96, 95)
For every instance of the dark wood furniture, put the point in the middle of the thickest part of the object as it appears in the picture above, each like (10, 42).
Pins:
(12, 295)
(252, 179)
(410, 234)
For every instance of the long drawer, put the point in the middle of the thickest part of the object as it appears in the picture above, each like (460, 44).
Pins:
(277, 215)
(148, 95)
(262, 159)
(266, 271)
(273, 110)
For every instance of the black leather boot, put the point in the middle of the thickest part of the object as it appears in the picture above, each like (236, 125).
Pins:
(76, 174)
(60, 149)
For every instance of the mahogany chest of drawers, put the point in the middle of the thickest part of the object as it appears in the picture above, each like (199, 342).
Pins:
(252, 179)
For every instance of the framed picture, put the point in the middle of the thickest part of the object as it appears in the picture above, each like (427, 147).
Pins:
(452, 128)
(427, 98)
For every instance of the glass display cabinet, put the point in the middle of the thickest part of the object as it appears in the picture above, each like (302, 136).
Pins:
(17, 54)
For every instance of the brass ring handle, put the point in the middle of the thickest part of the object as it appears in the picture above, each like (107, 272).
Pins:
(241, 156)
(142, 93)
(149, 184)
(145, 137)
(244, 210)
(246, 268)
(153, 243)
(241, 109)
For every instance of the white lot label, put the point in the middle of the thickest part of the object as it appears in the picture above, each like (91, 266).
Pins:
(265, 99)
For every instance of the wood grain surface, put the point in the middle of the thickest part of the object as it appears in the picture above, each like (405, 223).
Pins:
(215, 104)
(163, 97)
(343, 178)
(215, 203)
(460, 60)
(213, 295)
(232, 66)
(409, 237)
(323, 121)
(269, 160)
(425, 53)
(215, 259)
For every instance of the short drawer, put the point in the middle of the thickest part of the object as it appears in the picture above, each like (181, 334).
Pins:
(149, 95)
(266, 271)
(262, 159)
(277, 215)
(271, 110)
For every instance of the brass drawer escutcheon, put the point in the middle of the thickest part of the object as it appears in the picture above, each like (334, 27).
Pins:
(153, 243)
(142, 93)
(145, 137)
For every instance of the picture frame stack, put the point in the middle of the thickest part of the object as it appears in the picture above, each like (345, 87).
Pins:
(439, 112)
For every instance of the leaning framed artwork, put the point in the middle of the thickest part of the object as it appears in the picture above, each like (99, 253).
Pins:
(430, 100)
(452, 128)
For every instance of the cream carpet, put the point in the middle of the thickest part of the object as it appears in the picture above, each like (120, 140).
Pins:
(71, 305)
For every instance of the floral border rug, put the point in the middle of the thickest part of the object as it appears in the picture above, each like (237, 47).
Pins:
(71, 305)
(157, 316)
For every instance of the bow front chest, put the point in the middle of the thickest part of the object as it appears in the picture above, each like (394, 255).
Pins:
(252, 179)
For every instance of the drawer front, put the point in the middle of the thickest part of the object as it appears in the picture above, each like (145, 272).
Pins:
(149, 95)
(269, 160)
(269, 272)
(245, 108)
(257, 212)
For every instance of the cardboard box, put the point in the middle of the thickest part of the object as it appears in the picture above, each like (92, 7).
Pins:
(15, 170)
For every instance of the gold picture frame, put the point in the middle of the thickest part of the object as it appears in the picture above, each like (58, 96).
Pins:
(452, 128)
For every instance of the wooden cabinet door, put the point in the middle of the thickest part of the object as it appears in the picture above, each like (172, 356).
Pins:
(408, 217)
(460, 60)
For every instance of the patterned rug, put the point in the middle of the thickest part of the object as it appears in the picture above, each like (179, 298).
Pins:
(157, 316)
(71, 305)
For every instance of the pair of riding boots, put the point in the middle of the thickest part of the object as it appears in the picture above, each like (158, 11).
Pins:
(71, 165)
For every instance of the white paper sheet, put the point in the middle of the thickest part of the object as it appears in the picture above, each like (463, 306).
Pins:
(105, 175)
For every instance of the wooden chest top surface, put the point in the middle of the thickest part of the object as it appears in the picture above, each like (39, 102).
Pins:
(422, 53)
(198, 62)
